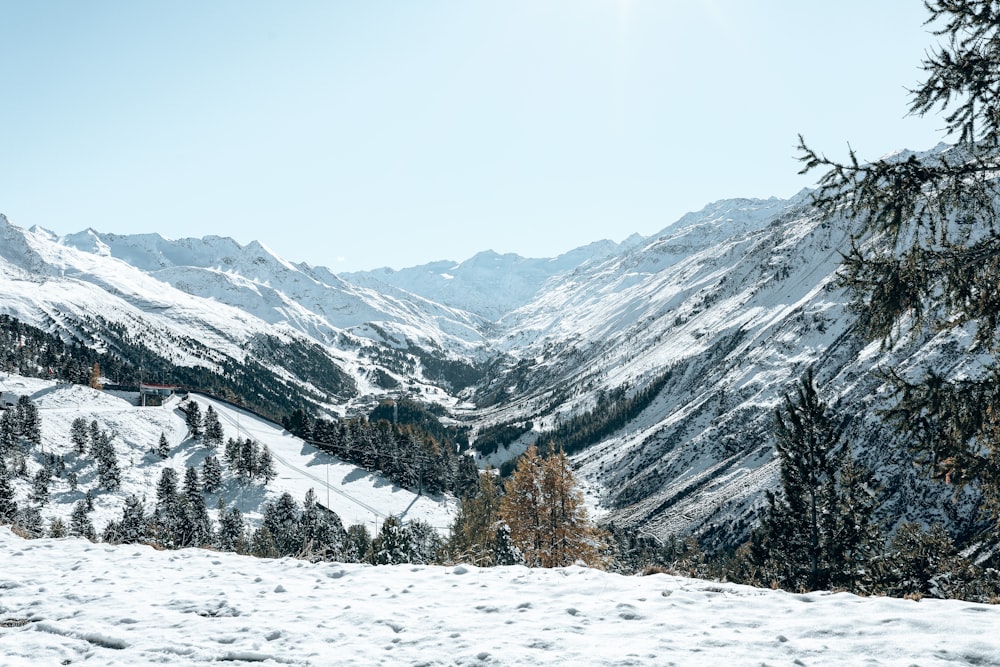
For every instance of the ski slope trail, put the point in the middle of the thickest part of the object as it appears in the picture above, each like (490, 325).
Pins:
(356, 495)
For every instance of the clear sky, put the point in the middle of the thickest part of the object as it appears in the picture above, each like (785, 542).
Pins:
(373, 133)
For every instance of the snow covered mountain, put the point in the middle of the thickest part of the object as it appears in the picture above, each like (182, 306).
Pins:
(227, 301)
(722, 313)
(699, 330)
(489, 284)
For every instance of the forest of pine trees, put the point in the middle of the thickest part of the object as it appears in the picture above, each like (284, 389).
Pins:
(29, 351)
(406, 454)
(500, 524)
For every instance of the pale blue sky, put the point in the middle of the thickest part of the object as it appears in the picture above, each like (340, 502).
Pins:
(374, 133)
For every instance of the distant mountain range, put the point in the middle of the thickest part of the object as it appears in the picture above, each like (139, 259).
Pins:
(660, 359)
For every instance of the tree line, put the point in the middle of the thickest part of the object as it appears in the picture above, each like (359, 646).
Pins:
(29, 351)
(404, 453)
(535, 518)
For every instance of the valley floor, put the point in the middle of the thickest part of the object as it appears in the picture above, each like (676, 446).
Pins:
(70, 601)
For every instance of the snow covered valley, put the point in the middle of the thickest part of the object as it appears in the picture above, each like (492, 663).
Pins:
(709, 322)
(69, 601)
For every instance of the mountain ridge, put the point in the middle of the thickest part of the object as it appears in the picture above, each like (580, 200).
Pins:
(726, 308)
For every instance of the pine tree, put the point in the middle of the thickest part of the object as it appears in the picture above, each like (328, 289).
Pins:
(357, 544)
(242, 457)
(427, 543)
(163, 447)
(133, 526)
(79, 435)
(192, 417)
(20, 464)
(809, 451)
(281, 518)
(196, 527)
(211, 474)
(466, 476)
(926, 255)
(109, 475)
(170, 526)
(248, 461)
(322, 532)
(108, 471)
(232, 453)
(168, 517)
(923, 563)
(857, 540)
(505, 552)
(57, 528)
(40, 486)
(29, 522)
(95, 433)
(166, 486)
(474, 532)
(192, 484)
(264, 467)
(232, 531)
(819, 531)
(79, 521)
(311, 526)
(8, 432)
(393, 544)
(28, 421)
(262, 545)
(8, 505)
(213, 428)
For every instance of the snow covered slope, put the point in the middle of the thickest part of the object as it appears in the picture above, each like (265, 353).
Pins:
(210, 302)
(357, 496)
(727, 308)
(68, 601)
(488, 284)
(255, 280)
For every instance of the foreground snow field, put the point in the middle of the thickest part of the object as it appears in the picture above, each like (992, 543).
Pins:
(69, 601)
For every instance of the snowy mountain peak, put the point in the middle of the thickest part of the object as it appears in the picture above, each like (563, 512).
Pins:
(260, 254)
(733, 215)
(152, 251)
(42, 232)
(89, 240)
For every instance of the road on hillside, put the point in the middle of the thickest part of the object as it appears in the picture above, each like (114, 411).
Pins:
(224, 414)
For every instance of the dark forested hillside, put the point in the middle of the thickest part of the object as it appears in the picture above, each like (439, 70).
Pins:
(30, 351)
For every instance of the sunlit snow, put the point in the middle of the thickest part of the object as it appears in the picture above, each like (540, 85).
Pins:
(69, 601)
(356, 495)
